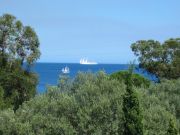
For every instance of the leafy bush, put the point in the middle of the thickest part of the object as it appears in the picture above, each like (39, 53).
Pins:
(1, 97)
(172, 130)
(95, 107)
(91, 104)
(168, 92)
(131, 108)
(155, 115)
(18, 86)
(137, 79)
(160, 102)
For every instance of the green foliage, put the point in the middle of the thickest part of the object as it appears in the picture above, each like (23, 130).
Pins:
(137, 79)
(168, 92)
(7, 122)
(131, 108)
(163, 60)
(17, 41)
(18, 44)
(1, 97)
(155, 115)
(95, 104)
(90, 106)
(18, 86)
(160, 101)
(172, 130)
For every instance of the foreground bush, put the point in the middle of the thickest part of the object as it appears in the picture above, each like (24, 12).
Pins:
(16, 86)
(168, 92)
(161, 103)
(137, 79)
(89, 104)
(131, 108)
(95, 107)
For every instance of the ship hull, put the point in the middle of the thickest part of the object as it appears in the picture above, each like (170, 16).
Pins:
(88, 63)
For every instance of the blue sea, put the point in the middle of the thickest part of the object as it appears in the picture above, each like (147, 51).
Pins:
(49, 72)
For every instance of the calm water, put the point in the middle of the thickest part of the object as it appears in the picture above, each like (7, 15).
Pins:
(49, 72)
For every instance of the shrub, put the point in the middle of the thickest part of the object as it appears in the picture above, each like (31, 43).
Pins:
(91, 104)
(131, 108)
(94, 107)
(137, 79)
(172, 130)
(18, 86)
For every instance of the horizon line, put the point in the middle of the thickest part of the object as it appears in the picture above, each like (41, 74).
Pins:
(79, 63)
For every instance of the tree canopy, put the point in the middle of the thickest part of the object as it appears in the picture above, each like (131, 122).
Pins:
(96, 104)
(131, 108)
(17, 41)
(18, 44)
(160, 59)
(137, 79)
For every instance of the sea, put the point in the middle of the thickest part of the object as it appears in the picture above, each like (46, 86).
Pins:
(49, 73)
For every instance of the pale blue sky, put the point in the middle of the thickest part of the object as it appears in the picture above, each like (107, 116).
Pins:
(100, 30)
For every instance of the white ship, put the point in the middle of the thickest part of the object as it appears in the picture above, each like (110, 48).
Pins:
(86, 62)
(65, 70)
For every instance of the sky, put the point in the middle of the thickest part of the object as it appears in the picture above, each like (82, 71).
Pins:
(100, 30)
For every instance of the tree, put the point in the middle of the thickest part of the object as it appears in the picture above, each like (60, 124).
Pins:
(162, 60)
(172, 130)
(131, 108)
(137, 79)
(95, 106)
(18, 45)
(1, 97)
(17, 41)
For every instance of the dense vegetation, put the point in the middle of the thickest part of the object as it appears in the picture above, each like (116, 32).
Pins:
(137, 80)
(131, 108)
(18, 44)
(93, 104)
(162, 60)
(123, 103)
